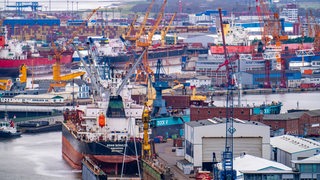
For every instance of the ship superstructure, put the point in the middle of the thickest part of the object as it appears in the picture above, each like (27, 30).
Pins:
(105, 131)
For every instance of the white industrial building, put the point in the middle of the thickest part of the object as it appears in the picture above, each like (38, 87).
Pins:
(205, 137)
(287, 148)
(309, 168)
(251, 167)
(200, 81)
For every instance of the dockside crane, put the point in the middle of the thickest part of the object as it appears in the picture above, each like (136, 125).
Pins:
(145, 43)
(264, 17)
(128, 36)
(165, 30)
(132, 39)
(227, 171)
(279, 36)
(60, 81)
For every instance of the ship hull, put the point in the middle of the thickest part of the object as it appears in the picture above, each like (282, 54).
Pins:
(108, 154)
(10, 68)
(154, 54)
(4, 134)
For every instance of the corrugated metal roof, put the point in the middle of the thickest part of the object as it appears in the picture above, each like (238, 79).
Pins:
(311, 160)
(246, 163)
(292, 144)
(286, 116)
(313, 113)
(215, 121)
(293, 115)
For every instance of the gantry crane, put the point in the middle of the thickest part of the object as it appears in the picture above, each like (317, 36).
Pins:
(227, 171)
(60, 81)
(165, 30)
(145, 43)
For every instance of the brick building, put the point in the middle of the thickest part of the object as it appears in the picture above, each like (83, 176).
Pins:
(303, 123)
(206, 112)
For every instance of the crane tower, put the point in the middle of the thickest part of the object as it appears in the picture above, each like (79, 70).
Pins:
(227, 171)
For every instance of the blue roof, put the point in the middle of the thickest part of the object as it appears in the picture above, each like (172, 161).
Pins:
(210, 12)
(41, 22)
(257, 24)
(306, 58)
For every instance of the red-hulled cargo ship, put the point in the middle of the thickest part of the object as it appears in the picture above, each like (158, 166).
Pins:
(14, 53)
(106, 132)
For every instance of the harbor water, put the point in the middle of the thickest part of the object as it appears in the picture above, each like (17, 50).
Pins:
(38, 156)
(33, 157)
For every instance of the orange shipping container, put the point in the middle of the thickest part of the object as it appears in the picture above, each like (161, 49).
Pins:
(308, 71)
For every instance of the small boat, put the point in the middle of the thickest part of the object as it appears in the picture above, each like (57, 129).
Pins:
(8, 129)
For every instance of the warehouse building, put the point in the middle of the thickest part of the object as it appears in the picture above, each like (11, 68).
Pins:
(309, 168)
(205, 137)
(287, 148)
(251, 167)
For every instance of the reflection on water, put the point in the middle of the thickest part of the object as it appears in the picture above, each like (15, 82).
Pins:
(35, 156)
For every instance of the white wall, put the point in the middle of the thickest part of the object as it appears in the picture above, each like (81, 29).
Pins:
(194, 135)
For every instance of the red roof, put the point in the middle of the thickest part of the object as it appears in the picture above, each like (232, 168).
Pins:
(231, 49)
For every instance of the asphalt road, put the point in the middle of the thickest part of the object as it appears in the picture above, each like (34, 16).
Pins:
(166, 156)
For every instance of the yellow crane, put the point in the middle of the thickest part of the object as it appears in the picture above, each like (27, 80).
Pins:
(146, 145)
(196, 97)
(128, 36)
(165, 30)
(146, 42)
(23, 74)
(60, 81)
(143, 24)
(5, 84)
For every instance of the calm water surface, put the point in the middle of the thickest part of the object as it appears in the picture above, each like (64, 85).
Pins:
(33, 157)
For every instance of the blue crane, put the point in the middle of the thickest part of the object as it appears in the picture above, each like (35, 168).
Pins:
(159, 105)
(19, 5)
(227, 172)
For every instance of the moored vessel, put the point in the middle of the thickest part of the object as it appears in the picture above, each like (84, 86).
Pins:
(106, 132)
(14, 53)
(8, 129)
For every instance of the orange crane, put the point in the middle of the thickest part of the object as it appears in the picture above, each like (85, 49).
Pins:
(145, 43)
(131, 27)
(143, 24)
(165, 30)
(263, 15)
(133, 38)
(60, 81)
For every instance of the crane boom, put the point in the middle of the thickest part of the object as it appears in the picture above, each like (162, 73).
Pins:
(94, 81)
(57, 78)
(134, 67)
(145, 45)
(158, 20)
(143, 24)
(227, 156)
(166, 29)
